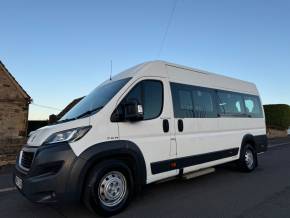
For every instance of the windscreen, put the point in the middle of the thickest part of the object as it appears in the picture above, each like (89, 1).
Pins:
(95, 101)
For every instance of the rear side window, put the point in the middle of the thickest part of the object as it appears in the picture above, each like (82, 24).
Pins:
(182, 101)
(204, 103)
(149, 93)
(253, 106)
(185, 100)
(230, 103)
(193, 102)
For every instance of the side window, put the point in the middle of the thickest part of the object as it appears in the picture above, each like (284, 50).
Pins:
(182, 101)
(230, 103)
(253, 106)
(204, 104)
(134, 94)
(190, 101)
(149, 93)
(152, 99)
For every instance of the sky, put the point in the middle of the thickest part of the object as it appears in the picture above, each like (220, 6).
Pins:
(59, 50)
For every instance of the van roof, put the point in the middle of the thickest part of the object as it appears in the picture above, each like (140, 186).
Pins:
(188, 75)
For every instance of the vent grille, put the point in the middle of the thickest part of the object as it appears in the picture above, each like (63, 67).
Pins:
(26, 159)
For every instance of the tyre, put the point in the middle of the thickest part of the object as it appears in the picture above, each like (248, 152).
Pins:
(248, 159)
(109, 188)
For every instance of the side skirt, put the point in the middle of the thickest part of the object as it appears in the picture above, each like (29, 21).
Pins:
(180, 163)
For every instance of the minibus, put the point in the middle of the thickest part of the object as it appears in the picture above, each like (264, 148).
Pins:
(152, 122)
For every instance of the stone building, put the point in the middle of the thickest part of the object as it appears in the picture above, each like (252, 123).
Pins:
(14, 105)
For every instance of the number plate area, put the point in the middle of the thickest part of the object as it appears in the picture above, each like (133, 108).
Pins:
(18, 182)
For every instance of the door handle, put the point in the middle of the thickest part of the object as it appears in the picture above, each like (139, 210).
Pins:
(180, 125)
(165, 125)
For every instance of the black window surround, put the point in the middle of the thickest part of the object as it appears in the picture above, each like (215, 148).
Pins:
(192, 113)
(216, 101)
(231, 113)
(141, 83)
(259, 106)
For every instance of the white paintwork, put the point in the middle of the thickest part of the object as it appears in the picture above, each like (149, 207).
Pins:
(149, 136)
(195, 77)
(199, 136)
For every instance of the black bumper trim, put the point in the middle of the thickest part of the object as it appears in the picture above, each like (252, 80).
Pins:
(179, 163)
(261, 142)
(46, 180)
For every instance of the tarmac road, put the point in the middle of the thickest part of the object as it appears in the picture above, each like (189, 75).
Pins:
(225, 193)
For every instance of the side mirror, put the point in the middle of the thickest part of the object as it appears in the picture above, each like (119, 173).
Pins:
(133, 111)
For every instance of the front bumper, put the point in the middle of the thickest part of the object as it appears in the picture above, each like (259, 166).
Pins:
(47, 180)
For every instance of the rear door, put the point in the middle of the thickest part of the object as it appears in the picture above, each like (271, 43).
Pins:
(152, 134)
(196, 124)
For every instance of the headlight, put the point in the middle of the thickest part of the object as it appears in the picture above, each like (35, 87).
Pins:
(70, 135)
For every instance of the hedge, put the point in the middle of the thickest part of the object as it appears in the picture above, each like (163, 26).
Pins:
(277, 116)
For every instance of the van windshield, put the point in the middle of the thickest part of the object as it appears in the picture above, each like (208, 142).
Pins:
(95, 101)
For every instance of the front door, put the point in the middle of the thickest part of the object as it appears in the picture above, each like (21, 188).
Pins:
(152, 134)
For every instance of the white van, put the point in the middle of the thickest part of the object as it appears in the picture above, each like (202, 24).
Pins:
(151, 122)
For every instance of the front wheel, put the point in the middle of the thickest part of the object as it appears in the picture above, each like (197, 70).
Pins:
(248, 159)
(109, 188)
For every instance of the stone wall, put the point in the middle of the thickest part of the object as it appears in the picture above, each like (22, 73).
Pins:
(274, 133)
(9, 148)
(13, 127)
(13, 119)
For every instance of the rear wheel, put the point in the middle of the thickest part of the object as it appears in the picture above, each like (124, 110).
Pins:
(109, 188)
(248, 158)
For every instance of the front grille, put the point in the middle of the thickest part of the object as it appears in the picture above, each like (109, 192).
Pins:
(26, 159)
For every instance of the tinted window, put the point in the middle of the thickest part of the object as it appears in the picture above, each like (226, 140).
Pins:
(97, 99)
(182, 101)
(152, 99)
(204, 104)
(185, 100)
(253, 106)
(134, 94)
(190, 101)
(230, 103)
(149, 93)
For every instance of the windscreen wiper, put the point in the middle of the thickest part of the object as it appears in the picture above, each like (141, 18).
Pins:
(89, 112)
(66, 120)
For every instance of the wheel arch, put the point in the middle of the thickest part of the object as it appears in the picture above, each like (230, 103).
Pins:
(249, 139)
(126, 151)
